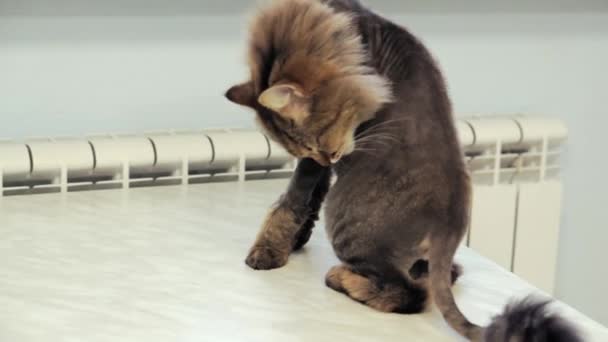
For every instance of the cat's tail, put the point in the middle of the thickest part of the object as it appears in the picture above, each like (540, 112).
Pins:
(527, 320)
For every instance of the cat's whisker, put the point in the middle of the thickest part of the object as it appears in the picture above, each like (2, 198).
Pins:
(391, 121)
(371, 144)
(384, 124)
(376, 135)
(374, 129)
(381, 141)
(370, 149)
(365, 149)
(379, 137)
(377, 146)
(385, 131)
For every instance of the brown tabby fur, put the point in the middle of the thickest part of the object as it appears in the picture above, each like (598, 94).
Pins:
(362, 95)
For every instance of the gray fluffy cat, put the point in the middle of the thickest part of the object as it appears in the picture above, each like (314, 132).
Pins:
(348, 91)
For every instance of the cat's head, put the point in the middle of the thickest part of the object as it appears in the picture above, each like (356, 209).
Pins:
(309, 84)
(319, 125)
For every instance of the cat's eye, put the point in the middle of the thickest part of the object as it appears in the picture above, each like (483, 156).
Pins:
(308, 148)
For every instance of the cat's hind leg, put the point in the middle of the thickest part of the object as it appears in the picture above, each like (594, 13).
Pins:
(420, 271)
(397, 296)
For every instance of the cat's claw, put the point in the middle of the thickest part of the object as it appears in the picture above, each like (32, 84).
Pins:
(266, 258)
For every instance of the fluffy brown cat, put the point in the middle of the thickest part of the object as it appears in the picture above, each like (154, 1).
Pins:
(348, 91)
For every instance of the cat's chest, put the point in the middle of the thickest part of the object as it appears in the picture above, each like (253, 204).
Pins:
(365, 183)
(357, 185)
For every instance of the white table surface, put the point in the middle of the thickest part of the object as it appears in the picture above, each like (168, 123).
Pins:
(166, 264)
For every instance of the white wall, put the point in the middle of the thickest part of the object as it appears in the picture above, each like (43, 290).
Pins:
(76, 75)
(90, 68)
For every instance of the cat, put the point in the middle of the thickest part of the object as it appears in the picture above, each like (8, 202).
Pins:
(350, 93)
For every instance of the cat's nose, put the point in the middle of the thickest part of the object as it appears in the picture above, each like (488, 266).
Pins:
(321, 159)
(335, 157)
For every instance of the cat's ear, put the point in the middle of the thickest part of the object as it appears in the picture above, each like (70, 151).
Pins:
(280, 96)
(287, 99)
(242, 94)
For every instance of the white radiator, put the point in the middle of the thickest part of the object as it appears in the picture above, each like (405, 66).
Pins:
(66, 164)
(517, 193)
(514, 163)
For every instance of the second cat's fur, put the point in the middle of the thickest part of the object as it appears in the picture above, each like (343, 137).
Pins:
(347, 90)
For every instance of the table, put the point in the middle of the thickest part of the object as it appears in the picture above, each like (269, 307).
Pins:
(167, 264)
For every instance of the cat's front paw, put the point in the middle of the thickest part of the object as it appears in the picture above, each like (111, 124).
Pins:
(266, 258)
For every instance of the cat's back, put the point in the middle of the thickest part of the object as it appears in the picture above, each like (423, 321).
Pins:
(427, 156)
(394, 51)
(422, 111)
